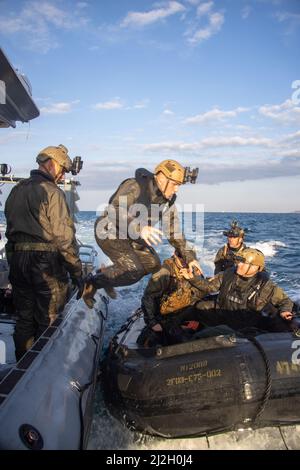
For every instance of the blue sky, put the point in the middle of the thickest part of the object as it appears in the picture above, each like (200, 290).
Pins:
(128, 83)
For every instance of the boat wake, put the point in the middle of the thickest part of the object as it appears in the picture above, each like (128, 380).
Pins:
(269, 248)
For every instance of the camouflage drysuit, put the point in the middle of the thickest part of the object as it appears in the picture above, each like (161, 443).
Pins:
(243, 302)
(225, 257)
(41, 250)
(166, 294)
(132, 258)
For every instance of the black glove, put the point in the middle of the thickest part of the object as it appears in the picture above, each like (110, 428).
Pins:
(79, 283)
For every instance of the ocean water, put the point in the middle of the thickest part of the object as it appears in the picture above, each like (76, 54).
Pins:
(277, 235)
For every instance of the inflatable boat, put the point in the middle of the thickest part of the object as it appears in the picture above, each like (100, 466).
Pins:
(218, 381)
(46, 398)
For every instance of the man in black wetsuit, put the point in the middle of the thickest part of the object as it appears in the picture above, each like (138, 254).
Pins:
(41, 248)
(125, 232)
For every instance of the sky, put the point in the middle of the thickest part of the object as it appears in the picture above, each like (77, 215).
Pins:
(126, 84)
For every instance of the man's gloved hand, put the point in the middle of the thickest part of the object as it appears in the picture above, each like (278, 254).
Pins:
(79, 283)
(194, 268)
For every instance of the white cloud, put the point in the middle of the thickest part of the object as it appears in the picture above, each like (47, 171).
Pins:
(214, 115)
(11, 137)
(59, 108)
(215, 22)
(204, 8)
(295, 137)
(284, 113)
(236, 141)
(141, 104)
(141, 19)
(289, 153)
(290, 20)
(246, 10)
(168, 112)
(82, 4)
(287, 16)
(198, 20)
(208, 142)
(35, 22)
(193, 2)
(116, 103)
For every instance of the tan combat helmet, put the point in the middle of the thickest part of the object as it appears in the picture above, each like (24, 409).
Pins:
(172, 170)
(251, 256)
(234, 230)
(59, 154)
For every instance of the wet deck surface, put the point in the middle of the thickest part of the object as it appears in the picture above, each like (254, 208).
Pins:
(274, 438)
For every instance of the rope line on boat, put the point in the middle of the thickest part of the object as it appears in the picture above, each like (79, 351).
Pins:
(283, 438)
(127, 326)
(268, 387)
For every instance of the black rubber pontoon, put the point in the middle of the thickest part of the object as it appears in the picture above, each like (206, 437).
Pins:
(204, 386)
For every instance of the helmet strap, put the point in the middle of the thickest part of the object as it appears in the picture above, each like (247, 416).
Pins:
(162, 189)
(54, 173)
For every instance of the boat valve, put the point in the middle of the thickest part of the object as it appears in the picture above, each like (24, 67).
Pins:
(31, 437)
(76, 385)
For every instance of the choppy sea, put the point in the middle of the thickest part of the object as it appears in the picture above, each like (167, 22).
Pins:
(277, 235)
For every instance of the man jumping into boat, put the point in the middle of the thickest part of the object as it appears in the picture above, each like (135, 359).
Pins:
(126, 231)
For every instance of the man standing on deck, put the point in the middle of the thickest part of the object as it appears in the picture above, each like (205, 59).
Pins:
(41, 247)
(125, 233)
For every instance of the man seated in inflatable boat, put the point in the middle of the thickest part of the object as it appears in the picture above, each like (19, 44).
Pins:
(246, 298)
(167, 301)
(235, 244)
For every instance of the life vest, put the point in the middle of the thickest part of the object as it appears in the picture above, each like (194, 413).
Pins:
(255, 296)
(182, 294)
(229, 253)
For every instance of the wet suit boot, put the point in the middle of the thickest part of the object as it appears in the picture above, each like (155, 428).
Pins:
(108, 289)
(90, 290)
(88, 294)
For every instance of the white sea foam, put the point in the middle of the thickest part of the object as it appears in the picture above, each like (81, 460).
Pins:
(269, 248)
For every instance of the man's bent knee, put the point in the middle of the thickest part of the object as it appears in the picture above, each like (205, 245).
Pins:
(153, 265)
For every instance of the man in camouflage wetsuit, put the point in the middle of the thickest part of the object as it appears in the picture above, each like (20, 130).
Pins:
(126, 230)
(168, 296)
(41, 247)
(247, 297)
(235, 244)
